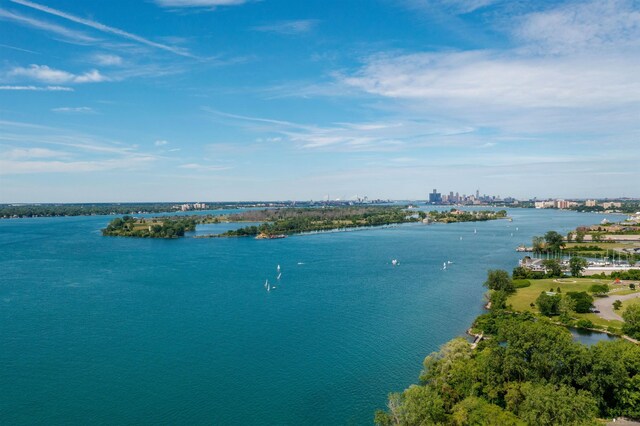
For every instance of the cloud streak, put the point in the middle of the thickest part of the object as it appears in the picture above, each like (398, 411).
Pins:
(294, 27)
(198, 3)
(103, 28)
(38, 88)
(67, 34)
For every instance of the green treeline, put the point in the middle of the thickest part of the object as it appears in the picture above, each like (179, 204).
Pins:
(166, 227)
(527, 372)
(300, 220)
(465, 216)
(50, 210)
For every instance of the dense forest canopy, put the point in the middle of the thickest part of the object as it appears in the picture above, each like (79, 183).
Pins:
(528, 372)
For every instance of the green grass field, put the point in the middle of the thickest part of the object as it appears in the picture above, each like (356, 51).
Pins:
(524, 297)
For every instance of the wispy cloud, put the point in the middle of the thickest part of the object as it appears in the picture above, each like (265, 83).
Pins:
(31, 149)
(294, 27)
(19, 49)
(581, 26)
(58, 30)
(31, 153)
(38, 88)
(74, 110)
(161, 143)
(50, 75)
(494, 78)
(106, 59)
(380, 136)
(198, 3)
(452, 6)
(103, 28)
(204, 167)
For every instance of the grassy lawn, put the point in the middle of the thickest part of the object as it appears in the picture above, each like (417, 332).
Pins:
(522, 299)
(628, 303)
(605, 246)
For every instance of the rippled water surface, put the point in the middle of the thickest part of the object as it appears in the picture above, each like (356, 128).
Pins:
(116, 330)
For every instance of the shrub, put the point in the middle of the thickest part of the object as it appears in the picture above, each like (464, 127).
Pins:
(584, 323)
(521, 283)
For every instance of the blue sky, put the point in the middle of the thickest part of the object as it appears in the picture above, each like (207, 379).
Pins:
(163, 100)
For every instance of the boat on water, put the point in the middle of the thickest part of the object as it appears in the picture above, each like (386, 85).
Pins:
(279, 275)
(395, 262)
(444, 266)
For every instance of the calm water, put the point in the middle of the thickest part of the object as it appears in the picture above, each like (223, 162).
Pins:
(115, 330)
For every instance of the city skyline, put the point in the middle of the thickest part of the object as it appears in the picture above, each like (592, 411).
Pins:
(220, 100)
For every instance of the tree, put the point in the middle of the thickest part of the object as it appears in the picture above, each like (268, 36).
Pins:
(554, 241)
(565, 307)
(476, 411)
(570, 236)
(417, 405)
(538, 244)
(580, 236)
(498, 299)
(546, 404)
(617, 305)
(599, 289)
(548, 304)
(631, 319)
(498, 279)
(577, 265)
(583, 301)
(553, 267)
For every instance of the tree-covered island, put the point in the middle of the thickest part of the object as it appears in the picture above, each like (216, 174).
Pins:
(159, 227)
(455, 215)
(281, 222)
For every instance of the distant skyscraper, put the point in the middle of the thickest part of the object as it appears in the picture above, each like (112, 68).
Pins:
(477, 194)
(435, 197)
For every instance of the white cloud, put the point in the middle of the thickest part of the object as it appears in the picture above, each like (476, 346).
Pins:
(492, 79)
(67, 34)
(30, 153)
(103, 28)
(294, 27)
(74, 110)
(50, 75)
(160, 143)
(581, 26)
(199, 3)
(38, 88)
(106, 59)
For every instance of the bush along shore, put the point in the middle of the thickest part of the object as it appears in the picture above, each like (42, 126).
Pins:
(525, 370)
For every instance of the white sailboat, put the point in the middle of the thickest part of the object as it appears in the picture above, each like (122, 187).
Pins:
(268, 287)
(278, 268)
(475, 231)
(394, 262)
(444, 266)
(266, 283)
(279, 275)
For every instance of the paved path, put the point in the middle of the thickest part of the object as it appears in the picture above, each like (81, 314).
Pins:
(605, 305)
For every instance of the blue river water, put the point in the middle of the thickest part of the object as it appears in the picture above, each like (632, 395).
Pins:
(107, 330)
